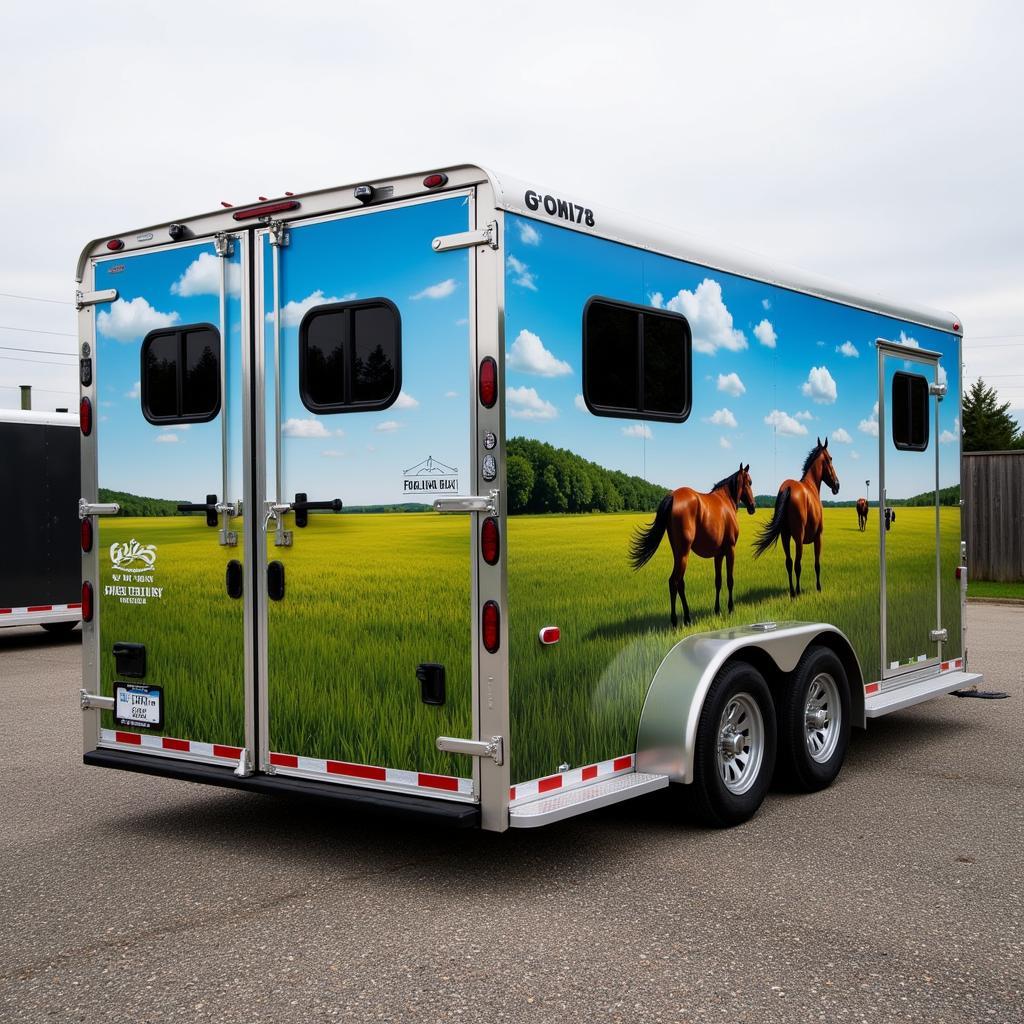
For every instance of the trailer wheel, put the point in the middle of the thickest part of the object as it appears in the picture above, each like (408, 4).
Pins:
(58, 627)
(814, 721)
(734, 755)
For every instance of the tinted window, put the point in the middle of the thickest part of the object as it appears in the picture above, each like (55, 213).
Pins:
(350, 356)
(636, 361)
(909, 412)
(180, 374)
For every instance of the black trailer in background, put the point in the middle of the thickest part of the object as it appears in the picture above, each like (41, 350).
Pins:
(41, 559)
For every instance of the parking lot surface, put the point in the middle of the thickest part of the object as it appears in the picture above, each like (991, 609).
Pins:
(894, 895)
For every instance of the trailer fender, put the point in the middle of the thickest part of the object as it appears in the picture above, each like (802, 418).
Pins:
(671, 713)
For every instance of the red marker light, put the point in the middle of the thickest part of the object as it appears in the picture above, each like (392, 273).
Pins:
(87, 601)
(491, 626)
(959, 571)
(114, 244)
(435, 180)
(550, 635)
(488, 382)
(264, 211)
(87, 534)
(490, 540)
(85, 416)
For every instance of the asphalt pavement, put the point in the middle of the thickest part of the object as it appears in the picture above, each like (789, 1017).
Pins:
(894, 895)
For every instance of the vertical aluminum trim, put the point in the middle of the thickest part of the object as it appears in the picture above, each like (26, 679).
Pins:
(883, 604)
(475, 521)
(257, 457)
(250, 510)
(225, 516)
(89, 468)
(276, 261)
(493, 669)
(938, 528)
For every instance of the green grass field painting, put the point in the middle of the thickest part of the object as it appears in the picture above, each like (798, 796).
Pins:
(370, 596)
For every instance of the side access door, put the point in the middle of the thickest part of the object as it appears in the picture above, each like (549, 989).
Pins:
(165, 375)
(908, 397)
(368, 619)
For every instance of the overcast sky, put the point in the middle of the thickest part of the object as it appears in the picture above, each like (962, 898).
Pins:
(881, 145)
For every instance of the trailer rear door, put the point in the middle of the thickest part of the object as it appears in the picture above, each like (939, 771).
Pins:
(908, 429)
(366, 340)
(168, 439)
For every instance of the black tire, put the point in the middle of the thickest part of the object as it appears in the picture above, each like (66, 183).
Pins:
(798, 767)
(711, 800)
(58, 627)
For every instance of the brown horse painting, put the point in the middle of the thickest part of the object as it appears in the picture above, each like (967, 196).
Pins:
(862, 513)
(797, 516)
(702, 523)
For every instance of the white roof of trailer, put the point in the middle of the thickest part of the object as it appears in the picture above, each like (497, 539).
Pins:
(510, 194)
(39, 417)
(617, 226)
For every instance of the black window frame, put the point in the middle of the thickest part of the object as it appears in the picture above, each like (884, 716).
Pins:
(348, 406)
(640, 413)
(910, 446)
(180, 331)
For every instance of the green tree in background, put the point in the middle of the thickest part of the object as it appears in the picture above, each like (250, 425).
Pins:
(519, 479)
(988, 426)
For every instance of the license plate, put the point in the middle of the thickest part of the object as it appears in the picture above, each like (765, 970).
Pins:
(139, 707)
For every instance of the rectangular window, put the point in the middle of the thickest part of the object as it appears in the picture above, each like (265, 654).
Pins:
(180, 375)
(636, 361)
(909, 412)
(350, 356)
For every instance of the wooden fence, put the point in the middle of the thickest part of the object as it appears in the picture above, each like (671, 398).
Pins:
(993, 491)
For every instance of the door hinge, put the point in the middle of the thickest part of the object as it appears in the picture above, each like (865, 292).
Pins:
(494, 748)
(83, 299)
(224, 244)
(278, 232)
(467, 239)
(938, 636)
(939, 390)
(470, 503)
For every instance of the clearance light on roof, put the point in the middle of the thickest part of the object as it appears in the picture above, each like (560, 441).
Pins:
(435, 180)
(488, 382)
(115, 244)
(265, 211)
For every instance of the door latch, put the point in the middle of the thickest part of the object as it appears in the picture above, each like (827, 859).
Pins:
(467, 239)
(938, 636)
(86, 508)
(470, 503)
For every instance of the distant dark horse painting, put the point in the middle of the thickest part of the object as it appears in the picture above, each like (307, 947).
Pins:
(797, 518)
(702, 523)
(862, 513)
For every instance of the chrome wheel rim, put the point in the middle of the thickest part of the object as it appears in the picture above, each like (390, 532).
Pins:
(822, 718)
(740, 743)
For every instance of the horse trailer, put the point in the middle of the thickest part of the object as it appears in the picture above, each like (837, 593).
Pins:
(40, 567)
(414, 460)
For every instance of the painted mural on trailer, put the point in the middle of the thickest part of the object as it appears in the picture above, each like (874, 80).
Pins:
(762, 505)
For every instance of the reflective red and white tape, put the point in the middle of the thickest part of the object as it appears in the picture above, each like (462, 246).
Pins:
(31, 609)
(571, 779)
(163, 744)
(947, 666)
(347, 771)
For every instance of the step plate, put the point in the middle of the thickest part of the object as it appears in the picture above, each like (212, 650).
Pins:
(879, 704)
(578, 801)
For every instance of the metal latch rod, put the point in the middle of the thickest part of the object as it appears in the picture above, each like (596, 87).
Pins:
(94, 700)
(83, 299)
(87, 509)
(494, 748)
(467, 239)
(469, 503)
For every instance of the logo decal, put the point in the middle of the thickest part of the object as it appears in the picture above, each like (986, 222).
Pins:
(564, 209)
(133, 556)
(430, 476)
(131, 566)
